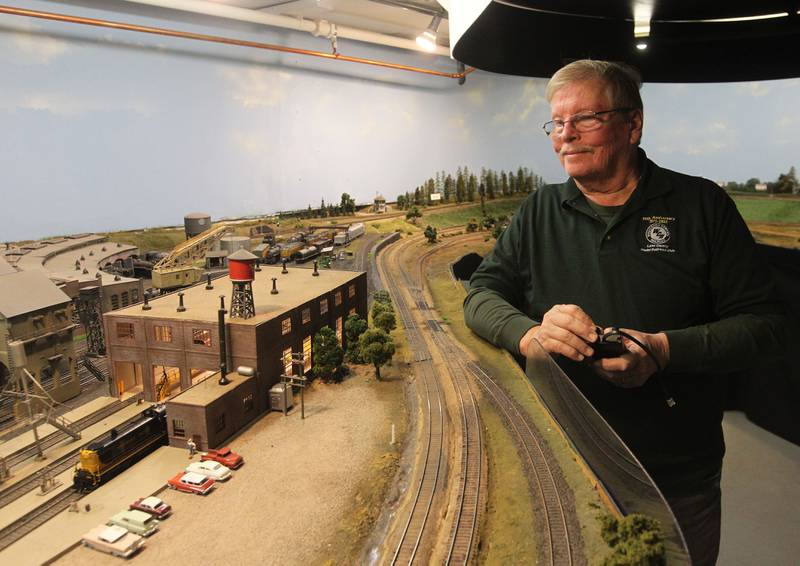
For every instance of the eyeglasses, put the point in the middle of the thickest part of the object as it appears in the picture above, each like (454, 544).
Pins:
(585, 122)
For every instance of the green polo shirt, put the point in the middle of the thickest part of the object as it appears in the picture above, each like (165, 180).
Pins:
(676, 258)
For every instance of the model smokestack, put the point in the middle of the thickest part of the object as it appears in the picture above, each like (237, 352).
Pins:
(180, 308)
(209, 286)
(223, 352)
(284, 267)
(274, 286)
(316, 273)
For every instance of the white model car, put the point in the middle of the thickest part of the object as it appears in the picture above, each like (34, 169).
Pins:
(113, 539)
(213, 470)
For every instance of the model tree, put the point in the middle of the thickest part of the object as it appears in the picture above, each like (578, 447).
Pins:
(430, 233)
(384, 318)
(382, 296)
(635, 540)
(413, 214)
(377, 348)
(354, 327)
(328, 355)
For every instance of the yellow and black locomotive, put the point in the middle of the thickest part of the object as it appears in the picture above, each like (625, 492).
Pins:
(120, 447)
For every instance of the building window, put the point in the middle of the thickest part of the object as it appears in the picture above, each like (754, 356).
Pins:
(286, 326)
(125, 301)
(306, 354)
(306, 316)
(163, 333)
(114, 302)
(323, 306)
(178, 428)
(135, 296)
(351, 291)
(125, 331)
(247, 401)
(220, 423)
(352, 311)
(287, 361)
(339, 329)
(337, 298)
(201, 337)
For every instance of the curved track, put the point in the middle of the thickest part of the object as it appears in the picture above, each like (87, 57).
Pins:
(560, 543)
(429, 483)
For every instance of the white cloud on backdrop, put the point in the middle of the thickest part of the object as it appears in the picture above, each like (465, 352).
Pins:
(256, 87)
(29, 46)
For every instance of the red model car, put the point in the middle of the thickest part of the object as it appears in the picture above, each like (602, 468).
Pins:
(191, 482)
(153, 506)
(224, 456)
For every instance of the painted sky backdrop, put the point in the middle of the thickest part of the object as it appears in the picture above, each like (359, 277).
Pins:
(107, 129)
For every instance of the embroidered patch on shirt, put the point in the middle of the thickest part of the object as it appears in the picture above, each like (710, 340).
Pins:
(658, 234)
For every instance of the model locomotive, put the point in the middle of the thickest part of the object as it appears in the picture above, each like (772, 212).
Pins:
(120, 447)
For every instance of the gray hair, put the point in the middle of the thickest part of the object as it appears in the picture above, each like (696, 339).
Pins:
(622, 81)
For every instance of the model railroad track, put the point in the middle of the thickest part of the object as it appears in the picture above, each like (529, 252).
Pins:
(465, 525)
(558, 544)
(461, 537)
(16, 458)
(433, 418)
(36, 518)
(30, 483)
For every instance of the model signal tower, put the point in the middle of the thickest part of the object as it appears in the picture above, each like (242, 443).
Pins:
(241, 271)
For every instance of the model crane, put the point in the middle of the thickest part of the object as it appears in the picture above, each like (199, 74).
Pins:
(178, 268)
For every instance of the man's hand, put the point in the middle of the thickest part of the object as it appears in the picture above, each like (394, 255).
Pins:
(565, 330)
(636, 367)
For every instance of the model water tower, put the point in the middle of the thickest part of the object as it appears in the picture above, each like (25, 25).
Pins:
(240, 269)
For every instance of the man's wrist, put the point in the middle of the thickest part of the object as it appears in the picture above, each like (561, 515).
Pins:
(526, 339)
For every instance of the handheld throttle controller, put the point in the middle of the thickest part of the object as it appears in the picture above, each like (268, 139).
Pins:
(609, 344)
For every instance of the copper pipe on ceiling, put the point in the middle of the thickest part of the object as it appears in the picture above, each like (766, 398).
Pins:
(224, 40)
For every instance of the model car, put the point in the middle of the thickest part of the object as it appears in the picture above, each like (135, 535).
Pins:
(152, 505)
(113, 539)
(224, 456)
(191, 483)
(213, 470)
(139, 522)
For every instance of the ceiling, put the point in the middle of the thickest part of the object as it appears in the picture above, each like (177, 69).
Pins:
(399, 18)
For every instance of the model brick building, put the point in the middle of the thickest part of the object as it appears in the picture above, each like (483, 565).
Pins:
(161, 352)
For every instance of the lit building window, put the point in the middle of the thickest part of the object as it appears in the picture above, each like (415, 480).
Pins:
(163, 333)
(323, 306)
(351, 291)
(307, 354)
(339, 329)
(306, 316)
(286, 326)
(201, 337)
(352, 311)
(337, 298)
(125, 330)
(287, 361)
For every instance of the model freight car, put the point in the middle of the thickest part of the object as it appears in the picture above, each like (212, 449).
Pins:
(120, 447)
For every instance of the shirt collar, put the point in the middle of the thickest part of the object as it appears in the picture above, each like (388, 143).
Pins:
(652, 183)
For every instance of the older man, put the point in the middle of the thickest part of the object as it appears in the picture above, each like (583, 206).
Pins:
(628, 244)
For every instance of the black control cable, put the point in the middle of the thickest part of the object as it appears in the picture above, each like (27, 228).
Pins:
(670, 399)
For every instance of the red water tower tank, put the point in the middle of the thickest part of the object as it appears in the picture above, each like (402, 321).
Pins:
(240, 265)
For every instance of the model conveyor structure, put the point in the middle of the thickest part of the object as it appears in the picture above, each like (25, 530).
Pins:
(629, 487)
(178, 268)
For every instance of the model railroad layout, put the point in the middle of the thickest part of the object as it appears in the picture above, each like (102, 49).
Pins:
(561, 542)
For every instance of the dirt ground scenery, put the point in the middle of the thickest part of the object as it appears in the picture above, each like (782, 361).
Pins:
(306, 494)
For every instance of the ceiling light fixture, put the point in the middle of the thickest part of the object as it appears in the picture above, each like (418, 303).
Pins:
(427, 39)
